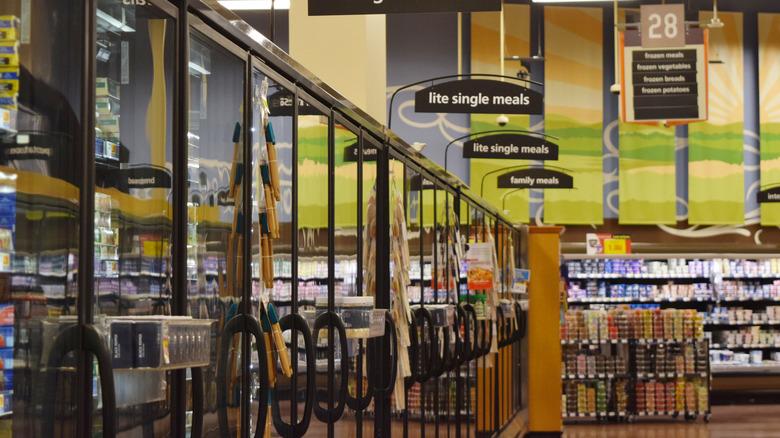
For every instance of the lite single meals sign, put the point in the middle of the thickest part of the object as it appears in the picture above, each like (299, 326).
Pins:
(478, 96)
(511, 147)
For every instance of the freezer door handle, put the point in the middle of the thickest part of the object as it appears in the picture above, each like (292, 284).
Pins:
(412, 350)
(501, 326)
(421, 313)
(522, 321)
(385, 389)
(287, 430)
(331, 319)
(197, 402)
(248, 325)
(65, 342)
(454, 357)
(471, 352)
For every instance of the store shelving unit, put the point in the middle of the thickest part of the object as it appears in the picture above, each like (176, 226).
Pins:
(738, 283)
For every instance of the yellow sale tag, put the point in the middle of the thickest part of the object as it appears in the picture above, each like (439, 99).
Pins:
(615, 246)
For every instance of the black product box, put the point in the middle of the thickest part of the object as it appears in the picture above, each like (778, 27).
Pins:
(121, 344)
(148, 344)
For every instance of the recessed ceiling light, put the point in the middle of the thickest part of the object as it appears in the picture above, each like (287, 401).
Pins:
(254, 5)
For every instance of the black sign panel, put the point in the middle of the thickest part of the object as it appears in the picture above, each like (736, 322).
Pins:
(418, 182)
(478, 96)
(142, 177)
(511, 147)
(664, 83)
(281, 104)
(769, 195)
(54, 152)
(351, 153)
(361, 7)
(535, 179)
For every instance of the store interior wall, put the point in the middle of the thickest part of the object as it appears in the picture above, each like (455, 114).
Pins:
(419, 47)
(346, 52)
(426, 45)
(749, 231)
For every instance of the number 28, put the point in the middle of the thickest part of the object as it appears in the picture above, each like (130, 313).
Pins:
(668, 22)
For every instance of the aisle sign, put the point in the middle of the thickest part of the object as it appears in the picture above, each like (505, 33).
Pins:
(663, 84)
(535, 178)
(769, 195)
(598, 243)
(362, 7)
(662, 25)
(478, 96)
(510, 147)
(351, 153)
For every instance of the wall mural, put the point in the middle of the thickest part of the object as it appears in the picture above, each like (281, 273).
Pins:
(486, 58)
(631, 158)
(574, 110)
(647, 161)
(769, 104)
(715, 159)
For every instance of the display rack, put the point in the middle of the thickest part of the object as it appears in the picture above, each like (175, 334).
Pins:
(630, 363)
(736, 293)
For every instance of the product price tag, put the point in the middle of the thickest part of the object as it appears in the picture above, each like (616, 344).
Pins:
(615, 246)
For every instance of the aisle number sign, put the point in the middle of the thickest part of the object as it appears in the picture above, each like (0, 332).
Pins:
(663, 69)
(608, 243)
(662, 25)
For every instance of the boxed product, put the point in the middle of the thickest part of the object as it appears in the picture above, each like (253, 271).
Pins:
(110, 150)
(9, 101)
(6, 314)
(9, 80)
(105, 106)
(9, 53)
(9, 27)
(6, 358)
(120, 340)
(7, 336)
(106, 87)
(108, 124)
(147, 344)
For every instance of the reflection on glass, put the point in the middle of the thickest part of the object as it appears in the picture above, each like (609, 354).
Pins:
(214, 232)
(347, 206)
(312, 211)
(133, 176)
(427, 237)
(40, 139)
(272, 239)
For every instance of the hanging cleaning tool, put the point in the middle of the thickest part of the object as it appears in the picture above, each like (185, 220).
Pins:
(281, 346)
(270, 142)
(236, 170)
(270, 202)
(270, 352)
(266, 252)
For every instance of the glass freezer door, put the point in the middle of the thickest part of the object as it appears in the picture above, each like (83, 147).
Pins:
(215, 228)
(40, 139)
(134, 83)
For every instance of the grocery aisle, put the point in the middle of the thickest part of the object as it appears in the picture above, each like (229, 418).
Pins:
(762, 421)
